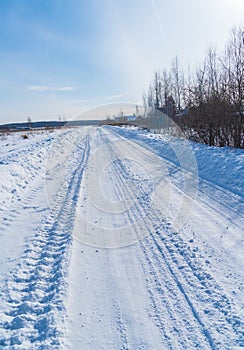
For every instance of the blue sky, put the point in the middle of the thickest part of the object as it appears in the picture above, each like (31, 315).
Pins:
(60, 57)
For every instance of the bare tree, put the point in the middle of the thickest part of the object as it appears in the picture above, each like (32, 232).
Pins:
(177, 81)
(213, 95)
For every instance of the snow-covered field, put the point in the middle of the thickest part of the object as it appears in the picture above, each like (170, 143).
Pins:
(114, 238)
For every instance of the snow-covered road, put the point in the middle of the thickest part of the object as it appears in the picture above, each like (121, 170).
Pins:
(117, 239)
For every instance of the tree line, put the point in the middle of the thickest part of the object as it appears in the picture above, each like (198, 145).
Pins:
(207, 104)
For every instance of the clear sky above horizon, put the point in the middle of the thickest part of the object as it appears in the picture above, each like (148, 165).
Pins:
(61, 57)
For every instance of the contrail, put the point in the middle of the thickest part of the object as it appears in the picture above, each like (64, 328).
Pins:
(158, 19)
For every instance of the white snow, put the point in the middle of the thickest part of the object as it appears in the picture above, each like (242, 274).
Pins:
(116, 238)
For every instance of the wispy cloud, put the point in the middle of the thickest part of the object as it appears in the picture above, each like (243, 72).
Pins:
(66, 88)
(42, 88)
(38, 88)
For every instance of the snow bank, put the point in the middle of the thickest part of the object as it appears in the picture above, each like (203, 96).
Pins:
(223, 167)
(20, 162)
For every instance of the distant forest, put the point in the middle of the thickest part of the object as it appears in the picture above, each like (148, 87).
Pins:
(206, 104)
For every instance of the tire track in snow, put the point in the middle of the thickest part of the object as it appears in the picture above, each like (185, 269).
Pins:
(36, 289)
(181, 287)
(160, 306)
(220, 304)
(119, 171)
(163, 325)
(218, 309)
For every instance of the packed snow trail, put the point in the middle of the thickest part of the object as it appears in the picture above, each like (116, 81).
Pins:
(131, 250)
(159, 293)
